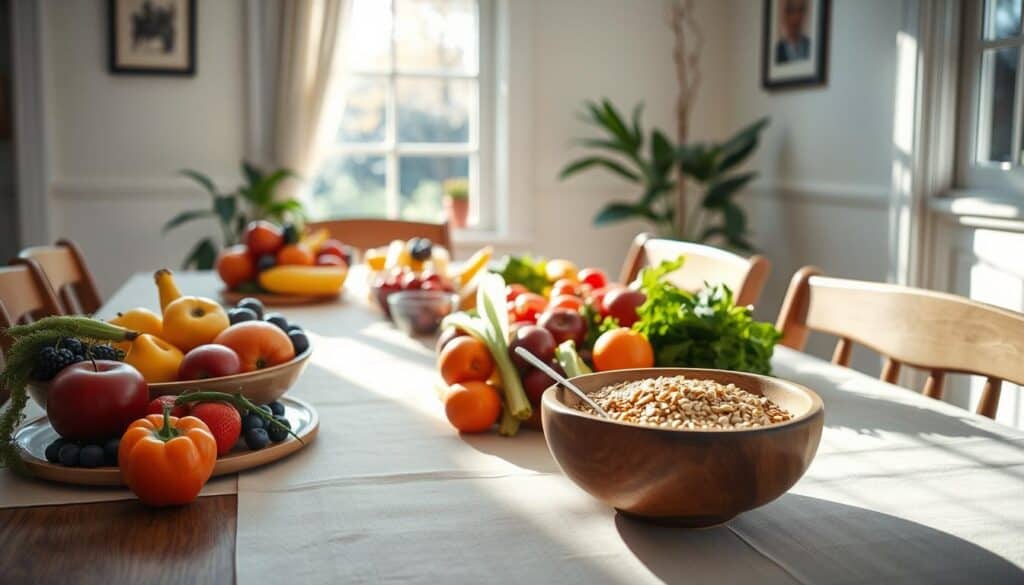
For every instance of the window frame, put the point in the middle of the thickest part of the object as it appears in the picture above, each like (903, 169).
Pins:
(479, 149)
(974, 176)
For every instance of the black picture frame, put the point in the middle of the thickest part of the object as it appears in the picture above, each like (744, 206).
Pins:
(116, 67)
(819, 76)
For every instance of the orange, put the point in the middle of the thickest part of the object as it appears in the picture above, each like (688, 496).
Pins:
(192, 321)
(297, 254)
(465, 359)
(154, 358)
(621, 349)
(472, 407)
(258, 344)
(235, 266)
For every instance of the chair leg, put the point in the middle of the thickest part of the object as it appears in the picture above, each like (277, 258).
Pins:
(933, 387)
(989, 403)
(891, 371)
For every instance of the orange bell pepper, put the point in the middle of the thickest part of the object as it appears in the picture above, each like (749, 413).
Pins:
(166, 460)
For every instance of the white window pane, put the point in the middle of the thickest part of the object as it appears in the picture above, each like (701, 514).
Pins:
(1002, 18)
(351, 186)
(365, 114)
(420, 179)
(434, 110)
(995, 118)
(369, 41)
(436, 35)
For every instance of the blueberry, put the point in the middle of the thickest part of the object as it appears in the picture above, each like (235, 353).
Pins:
(290, 233)
(276, 433)
(421, 249)
(252, 421)
(256, 439)
(110, 452)
(53, 450)
(265, 261)
(294, 327)
(265, 408)
(69, 454)
(277, 408)
(239, 314)
(278, 320)
(253, 304)
(299, 341)
(91, 456)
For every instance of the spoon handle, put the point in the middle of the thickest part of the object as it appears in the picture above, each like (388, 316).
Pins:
(540, 365)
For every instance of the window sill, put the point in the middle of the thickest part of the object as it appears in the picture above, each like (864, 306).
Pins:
(472, 237)
(974, 204)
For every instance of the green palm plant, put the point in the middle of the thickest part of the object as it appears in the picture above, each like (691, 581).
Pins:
(658, 169)
(234, 210)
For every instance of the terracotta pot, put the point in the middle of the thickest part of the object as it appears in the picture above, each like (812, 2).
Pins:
(457, 211)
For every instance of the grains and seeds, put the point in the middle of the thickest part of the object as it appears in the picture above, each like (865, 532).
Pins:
(683, 403)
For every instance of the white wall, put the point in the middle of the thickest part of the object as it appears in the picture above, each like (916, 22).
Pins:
(118, 140)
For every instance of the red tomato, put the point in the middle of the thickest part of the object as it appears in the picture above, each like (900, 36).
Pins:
(514, 290)
(570, 302)
(563, 287)
(595, 277)
(529, 305)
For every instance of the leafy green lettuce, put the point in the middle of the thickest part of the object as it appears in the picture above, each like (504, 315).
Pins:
(524, 270)
(704, 329)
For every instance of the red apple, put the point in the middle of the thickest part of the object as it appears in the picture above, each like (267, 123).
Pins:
(535, 382)
(597, 296)
(564, 324)
(262, 237)
(88, 402)
(209, 361)
(536, 340)
(622, 305)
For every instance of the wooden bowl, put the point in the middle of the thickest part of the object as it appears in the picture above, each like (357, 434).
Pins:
(262, 386)
(693, 478)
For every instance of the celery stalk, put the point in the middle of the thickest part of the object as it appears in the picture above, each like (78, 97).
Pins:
(570, 360)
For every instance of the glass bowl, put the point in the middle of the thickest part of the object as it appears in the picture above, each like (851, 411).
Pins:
(419, 312)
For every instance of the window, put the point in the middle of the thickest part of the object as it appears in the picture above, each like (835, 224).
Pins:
(992, 115)
(412, 119)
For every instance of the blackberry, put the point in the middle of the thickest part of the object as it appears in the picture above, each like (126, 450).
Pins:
(106, 352)
(46, 364)
(72, 344)
(276, 433)
(65, 358)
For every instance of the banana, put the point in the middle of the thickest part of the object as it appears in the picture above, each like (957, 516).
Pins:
(166, 286)
(474, 265)
(314, 240)
(304, 280)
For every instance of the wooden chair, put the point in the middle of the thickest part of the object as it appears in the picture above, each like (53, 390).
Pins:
(63, 266)
(937, 332)
(370, 233)
(24, 297)
(745, 276)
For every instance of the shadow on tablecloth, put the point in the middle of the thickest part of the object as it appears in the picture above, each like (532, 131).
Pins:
(821, 542)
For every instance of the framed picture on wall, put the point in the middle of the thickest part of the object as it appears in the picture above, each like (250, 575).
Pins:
(794, 52)
(153, 37)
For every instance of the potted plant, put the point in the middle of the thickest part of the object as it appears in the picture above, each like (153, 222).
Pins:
(234, 210)
(456, 201)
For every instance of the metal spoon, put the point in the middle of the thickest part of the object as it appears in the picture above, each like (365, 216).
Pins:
(540, 365)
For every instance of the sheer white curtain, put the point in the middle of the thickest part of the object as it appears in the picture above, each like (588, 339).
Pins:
(308, 96)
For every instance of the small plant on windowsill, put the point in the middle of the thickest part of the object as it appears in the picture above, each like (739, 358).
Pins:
(657, 174)
(456, 201)
(234, 210)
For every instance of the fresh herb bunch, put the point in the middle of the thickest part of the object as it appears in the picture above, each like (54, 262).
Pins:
(524, 270)
(21, 357)
(704, 329)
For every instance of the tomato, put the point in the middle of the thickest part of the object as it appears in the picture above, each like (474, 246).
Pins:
(570, 302)
(594, 277)
(528, 306)
(514, 290)
(235, 266)
(564, 287)
(262, 237)
(621, 349)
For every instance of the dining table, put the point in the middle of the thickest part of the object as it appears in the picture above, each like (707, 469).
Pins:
(903, 489)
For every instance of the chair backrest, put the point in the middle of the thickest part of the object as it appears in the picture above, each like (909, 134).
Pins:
(745, 276)
(63, 266)
(370, 233)
(938, 332)
(24, 297)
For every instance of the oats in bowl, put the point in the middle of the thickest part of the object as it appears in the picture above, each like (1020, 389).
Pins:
(678, 402)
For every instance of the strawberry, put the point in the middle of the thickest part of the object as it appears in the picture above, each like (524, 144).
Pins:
(224, 421)
(156, 406)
